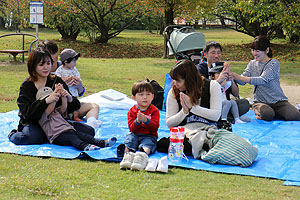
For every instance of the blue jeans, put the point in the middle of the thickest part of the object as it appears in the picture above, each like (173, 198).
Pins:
(138, 141)
(33, 134)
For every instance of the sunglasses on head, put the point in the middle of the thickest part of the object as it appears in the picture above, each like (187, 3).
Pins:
(70, 59)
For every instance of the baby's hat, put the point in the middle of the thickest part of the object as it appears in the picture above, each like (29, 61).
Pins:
(43, 92)
(216, 67)
(67, 54)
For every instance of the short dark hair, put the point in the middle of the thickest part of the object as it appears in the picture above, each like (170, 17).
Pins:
(35, 57)
(262, 43)
(49, 45)
(141, 86)
(210, 44)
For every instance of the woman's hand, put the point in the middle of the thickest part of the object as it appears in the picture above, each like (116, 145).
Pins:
(185, 102)
(53, 97)
(66, 94)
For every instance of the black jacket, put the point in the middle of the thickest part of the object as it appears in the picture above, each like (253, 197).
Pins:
(30, 109)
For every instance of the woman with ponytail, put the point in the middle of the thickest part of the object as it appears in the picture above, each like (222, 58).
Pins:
(263, 73)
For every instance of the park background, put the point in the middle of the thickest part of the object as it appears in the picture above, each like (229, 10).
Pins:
(117, 63)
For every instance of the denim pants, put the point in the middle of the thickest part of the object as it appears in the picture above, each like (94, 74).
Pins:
(33, 134)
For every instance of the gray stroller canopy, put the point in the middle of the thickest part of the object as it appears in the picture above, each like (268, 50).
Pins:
(181, 41)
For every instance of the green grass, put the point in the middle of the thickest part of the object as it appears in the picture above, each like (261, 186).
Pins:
(97, 74)
(38, 178)
(141, 44)
(25, 177)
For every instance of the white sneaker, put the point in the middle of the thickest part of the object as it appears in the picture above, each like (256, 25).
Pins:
(140, 161)
(152, 164)
(163, 165)
(127, 160)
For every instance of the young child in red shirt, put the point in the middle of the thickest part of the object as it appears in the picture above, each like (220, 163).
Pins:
(143, 123)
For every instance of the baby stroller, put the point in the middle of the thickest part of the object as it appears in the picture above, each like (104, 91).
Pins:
(185, 42)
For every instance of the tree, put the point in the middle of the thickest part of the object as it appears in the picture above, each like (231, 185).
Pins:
(3, 5)
(63, 16)
(109, 17)
(15, 13)
(252, 17)
(291, 19)
(176, 7)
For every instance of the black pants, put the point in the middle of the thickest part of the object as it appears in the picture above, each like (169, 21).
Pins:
(281, 110)
(33, 134)
(77, 139)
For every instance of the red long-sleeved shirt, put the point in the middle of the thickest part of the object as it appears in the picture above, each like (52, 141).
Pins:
(152, 124)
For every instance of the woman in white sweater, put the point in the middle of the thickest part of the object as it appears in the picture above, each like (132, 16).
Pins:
(193, 102)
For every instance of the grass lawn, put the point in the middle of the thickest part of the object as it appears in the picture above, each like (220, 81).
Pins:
(24, 177)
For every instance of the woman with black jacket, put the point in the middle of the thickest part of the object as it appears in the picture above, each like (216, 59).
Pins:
(30, 109)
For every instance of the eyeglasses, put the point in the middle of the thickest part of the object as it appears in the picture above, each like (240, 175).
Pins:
(70, 59)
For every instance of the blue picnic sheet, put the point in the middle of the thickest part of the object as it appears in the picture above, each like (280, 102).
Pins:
(278, 144)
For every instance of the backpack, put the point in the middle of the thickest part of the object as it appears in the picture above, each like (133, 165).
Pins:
(158, 94)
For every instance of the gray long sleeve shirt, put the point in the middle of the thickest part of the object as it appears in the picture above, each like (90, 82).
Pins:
(265, 77)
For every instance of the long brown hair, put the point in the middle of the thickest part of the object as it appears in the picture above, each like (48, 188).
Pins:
(35, 57)
(187, 71)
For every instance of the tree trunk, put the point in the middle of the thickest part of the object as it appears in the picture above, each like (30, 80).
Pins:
(2, 23)
(104, 37)
(196, 25)
(149, 24)
(65, 35)
(161, 25)
(222, 22)
(294, 39)
(169, 16)
(204, 23)
(279, 33)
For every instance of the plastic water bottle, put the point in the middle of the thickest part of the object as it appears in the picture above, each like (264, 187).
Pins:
(175, 151)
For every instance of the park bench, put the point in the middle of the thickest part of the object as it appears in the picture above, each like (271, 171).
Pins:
(15, 52)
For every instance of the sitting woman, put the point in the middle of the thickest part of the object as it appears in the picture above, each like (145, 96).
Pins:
(39, 66)
(193, 102)
(263, 73)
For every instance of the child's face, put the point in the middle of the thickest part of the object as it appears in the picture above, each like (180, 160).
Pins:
(215, 76)
(143, 99)
(71, 64)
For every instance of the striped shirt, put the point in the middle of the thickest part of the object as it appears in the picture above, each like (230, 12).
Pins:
(265, 77)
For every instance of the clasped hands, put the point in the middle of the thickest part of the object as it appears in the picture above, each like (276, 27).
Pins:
(141, 117)
(58, 92)
(185, 102)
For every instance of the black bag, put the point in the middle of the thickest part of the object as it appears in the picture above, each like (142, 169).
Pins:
(163, 146)
(158, 94)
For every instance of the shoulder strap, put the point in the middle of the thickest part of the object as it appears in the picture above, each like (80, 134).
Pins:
(255, 87)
